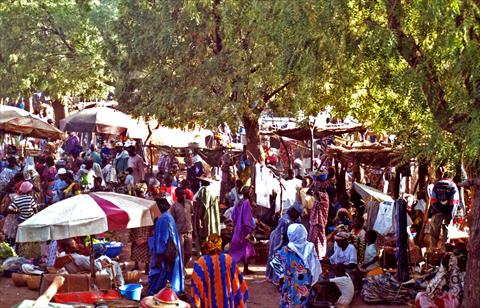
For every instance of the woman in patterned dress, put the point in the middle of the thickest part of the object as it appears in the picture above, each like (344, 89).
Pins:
(298, 265)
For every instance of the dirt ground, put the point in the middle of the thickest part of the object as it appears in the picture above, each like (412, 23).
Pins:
(262, 293)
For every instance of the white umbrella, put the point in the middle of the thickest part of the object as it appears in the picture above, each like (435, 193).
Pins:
(88, 214)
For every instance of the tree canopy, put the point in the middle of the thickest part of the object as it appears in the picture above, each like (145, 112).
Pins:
(190, 62)
(412, 69)
(54, 46)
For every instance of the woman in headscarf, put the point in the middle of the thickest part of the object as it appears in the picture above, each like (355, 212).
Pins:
(161, 270)
(216, 280)
(241, 249)
(279, 238)
(298, 264)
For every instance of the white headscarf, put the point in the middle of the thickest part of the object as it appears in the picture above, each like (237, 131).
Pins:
(297, 237)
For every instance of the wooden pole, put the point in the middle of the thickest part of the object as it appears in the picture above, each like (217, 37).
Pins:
(49, 293)
(312, 140)
(92, 259)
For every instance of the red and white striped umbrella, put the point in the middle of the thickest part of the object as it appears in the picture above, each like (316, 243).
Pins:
(88, 214)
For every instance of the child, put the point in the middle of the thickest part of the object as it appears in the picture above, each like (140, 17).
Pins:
(129, 180)
(358, 235)
(370, 263)
(345, 284)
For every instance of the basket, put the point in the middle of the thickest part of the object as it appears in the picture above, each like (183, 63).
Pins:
(19, 280)
(33, 282)
(131, 276)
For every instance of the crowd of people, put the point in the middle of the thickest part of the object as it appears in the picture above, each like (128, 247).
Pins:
(66, 169)
(321, 239)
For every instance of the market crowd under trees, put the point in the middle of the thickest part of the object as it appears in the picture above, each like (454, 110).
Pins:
(409, 68)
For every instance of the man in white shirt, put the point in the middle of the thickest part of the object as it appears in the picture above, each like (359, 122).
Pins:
(344, 252)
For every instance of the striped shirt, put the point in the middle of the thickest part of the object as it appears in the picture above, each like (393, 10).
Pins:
(217, 283)
(24, 205)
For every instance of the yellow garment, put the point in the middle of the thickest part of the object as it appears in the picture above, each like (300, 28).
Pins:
(376, 271)
(307, 201)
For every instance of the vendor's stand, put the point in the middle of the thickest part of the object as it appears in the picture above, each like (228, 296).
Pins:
(17, 121)
(88, 214)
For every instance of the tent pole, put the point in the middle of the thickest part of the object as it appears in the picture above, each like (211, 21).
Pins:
(92, 259)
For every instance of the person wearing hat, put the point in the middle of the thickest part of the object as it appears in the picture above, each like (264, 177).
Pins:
(59, 185)
(24, 204)
(344, 252)
(120, 163)
(207, 211)
(228, 287)
(278, 237)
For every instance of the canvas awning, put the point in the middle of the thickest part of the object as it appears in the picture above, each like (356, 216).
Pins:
(303, 133)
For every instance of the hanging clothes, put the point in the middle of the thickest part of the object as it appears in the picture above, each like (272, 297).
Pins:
(384, 221)
(402, 240)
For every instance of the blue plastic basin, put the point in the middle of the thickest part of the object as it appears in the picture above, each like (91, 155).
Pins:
(131, 291)
(113, 250)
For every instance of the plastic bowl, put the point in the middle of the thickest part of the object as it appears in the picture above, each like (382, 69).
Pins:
(131, 291)
(113, 250)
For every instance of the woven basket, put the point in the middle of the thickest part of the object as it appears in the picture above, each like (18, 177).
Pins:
(33, 282)
(19, 280)
(131, 276)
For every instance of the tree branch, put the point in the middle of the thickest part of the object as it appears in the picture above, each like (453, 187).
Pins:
(267, 97)
(411, 52)
(58, 31)
(218, 32)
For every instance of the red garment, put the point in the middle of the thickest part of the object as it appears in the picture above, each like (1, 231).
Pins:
(170, 190)
(318, 221)
(188, 194)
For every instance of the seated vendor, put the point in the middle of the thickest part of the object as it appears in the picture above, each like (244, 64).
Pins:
(344, 252)
(75, 263)
(371, 263)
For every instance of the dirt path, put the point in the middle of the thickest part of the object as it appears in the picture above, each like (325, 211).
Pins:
(11, 295)
(262, 293)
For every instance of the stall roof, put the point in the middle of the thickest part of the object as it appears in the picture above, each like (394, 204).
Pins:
(210, 156)
(378, 155)
(303, 133)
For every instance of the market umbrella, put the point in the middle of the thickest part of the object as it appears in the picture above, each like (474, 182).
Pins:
(371, 194)
(88, 214)
(99, 120)
(18, 121)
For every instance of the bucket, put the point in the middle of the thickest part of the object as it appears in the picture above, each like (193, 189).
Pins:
(132, 291)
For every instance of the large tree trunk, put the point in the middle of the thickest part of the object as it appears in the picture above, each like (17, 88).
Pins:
(422, 177)
(254, 147)
(472, 277)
